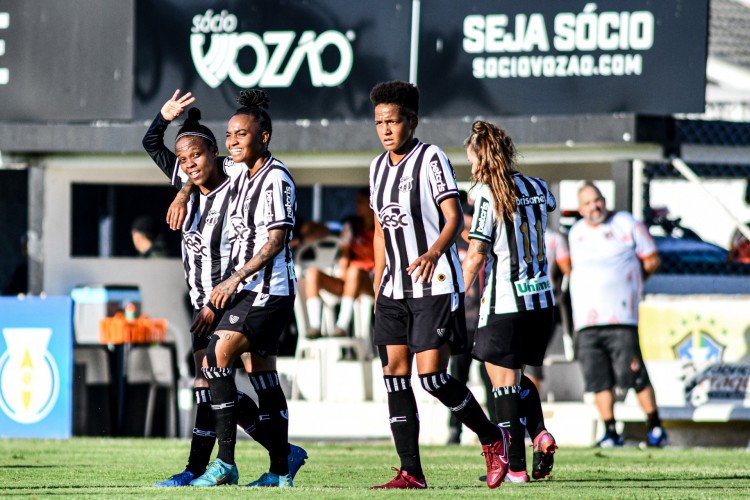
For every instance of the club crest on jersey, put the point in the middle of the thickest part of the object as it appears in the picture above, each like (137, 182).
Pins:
(405, 184)
(438, 172)
(193, 242)
(213, 217)
(392, 216)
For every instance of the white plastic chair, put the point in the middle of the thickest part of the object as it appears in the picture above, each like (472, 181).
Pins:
(153, 365)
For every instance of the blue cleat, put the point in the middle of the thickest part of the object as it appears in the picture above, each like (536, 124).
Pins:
(181, 479)
(271, 480)
(656, 437)
(297, 457)
(609, 441)
(218, 473)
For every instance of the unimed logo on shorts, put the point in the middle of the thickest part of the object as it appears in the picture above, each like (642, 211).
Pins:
(278, 55)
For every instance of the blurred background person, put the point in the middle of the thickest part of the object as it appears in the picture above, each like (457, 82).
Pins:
(147, 238)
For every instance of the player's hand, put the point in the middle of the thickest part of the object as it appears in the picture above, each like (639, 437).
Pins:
(423, 267)
(175, 106)
(203, 321)
(223, 292)
(177, 212)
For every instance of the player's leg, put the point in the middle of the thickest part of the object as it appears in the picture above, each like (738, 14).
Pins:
(316, 280)
(355, 283)
(439, 330)
(390, 335)
(459, 368)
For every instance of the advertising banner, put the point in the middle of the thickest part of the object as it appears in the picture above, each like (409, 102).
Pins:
(66, 61)
(36, 364)
(708, 338)
(515, 57)
(316, 59)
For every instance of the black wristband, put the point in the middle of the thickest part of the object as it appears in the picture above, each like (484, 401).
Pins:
(212, 307)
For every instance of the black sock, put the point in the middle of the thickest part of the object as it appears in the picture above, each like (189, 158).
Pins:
(461, 402)
(248, 417)
(273, 420)
(404, 419)
(204, 437)
(507, 409)
(531, 407)
(611, 427)
(653, 420)
(224, 406)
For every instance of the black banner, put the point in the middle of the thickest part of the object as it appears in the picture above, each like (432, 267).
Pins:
(316, 59)
(66, 60)
(521, 57)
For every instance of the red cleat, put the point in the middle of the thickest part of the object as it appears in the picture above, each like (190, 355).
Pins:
(402, 481)
(496, 456)
(544, 455)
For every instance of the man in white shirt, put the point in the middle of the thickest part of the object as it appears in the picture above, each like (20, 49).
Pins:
(611, 255)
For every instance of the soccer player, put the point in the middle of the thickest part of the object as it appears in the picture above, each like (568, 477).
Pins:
(516, 311)
(419, 289)
(206, 259)
(261, 217)
(611, 255)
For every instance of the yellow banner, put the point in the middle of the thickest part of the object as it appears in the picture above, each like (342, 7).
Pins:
(698, 328)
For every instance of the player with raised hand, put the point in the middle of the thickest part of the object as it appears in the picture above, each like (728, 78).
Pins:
(418, 284)
(206, 253)
(258, 295)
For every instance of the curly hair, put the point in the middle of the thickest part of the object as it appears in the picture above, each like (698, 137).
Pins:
(496, 155)
(405, 95)
(254, 102)
(192, 127)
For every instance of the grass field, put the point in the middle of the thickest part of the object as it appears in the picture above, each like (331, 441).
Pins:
(125, 468)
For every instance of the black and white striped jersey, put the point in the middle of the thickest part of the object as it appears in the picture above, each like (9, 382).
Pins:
(516, 276)
(406, 198)
(206, 250)
(260, 203)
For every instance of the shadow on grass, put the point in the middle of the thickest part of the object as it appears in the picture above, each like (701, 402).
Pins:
(30, 466)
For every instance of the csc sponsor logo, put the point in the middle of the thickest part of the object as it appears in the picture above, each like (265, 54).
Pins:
(193, 242)
(241, 231)
(392, 216)
(277, 58)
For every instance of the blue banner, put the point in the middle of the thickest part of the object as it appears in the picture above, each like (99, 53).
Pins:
(36, 367)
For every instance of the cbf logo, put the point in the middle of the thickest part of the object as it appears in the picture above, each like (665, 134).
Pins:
(392, 216)
(276, 67)
(29, 378)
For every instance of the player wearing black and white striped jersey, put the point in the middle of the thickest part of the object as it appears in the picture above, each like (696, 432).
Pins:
(406, 198)
(418, 285)
(261, 220)
(516, 277)
(516, 310)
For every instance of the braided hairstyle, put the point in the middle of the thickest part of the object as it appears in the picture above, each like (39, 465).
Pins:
(405, 95)
(254, 102)
(192, 127)
(496, 155)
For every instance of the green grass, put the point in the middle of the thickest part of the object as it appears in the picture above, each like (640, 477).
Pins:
(125, 468)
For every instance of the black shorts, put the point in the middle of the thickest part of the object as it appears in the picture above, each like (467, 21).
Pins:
(262, 323)
(514, 339)
(611, 356)
(201, 342)
(422, 324)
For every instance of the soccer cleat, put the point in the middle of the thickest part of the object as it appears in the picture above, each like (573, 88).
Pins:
(402, 481)
(218, 473)
(181, 479)
(609, 441)
(516, 477)
(271, 480)
(297, 457)
(496, 456)
(544, 455)
(656, 437)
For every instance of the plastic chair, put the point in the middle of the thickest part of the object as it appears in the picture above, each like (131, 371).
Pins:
(154, 366)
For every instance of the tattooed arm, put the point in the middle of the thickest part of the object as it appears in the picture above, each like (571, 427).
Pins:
(222, 293)
(474, 260)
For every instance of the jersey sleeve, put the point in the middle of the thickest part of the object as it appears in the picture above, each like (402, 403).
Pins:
(551, 201)
(280, 201)
(645, 245)
(483, 222)
(166, 160)
(441, 176)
